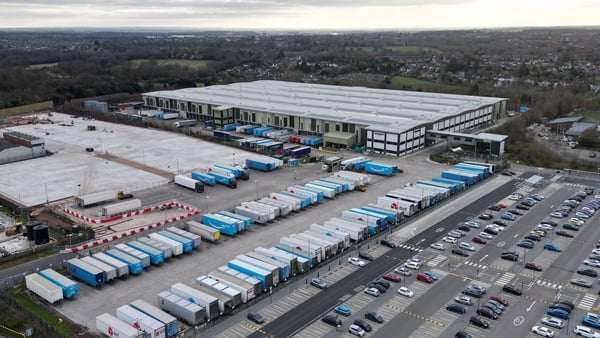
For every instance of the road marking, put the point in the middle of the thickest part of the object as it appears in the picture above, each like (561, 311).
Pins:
(439, 229)
(517, 235)
(484, 257)
(421, 241)
(501, 244)
(531, 306)
(412, 231)
(519, 320)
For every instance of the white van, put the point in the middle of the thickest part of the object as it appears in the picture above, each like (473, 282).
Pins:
(466, 246)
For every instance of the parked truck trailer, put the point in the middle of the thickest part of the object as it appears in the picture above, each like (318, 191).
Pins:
(284, 269)
(140, 320)
(121, 207)
(86, 272)
(188, 182)
(145, 258)
(257, 216)
(157, 256)
(111, 326)
(224, 225)
(176, 247)
(281, 256)
(204, 178)
(196, 240)
(109, 271)
(44, 288)
(134, 264)
(226, 290)
(225, 302)
(247, 220)
(251, 280)
(169, 321)
(207, 233)
(245, 289)
(164, 248)
(122, 267)
(87, 200)
(264, 276)
(186, 311)
(209, 303)
(69, 287)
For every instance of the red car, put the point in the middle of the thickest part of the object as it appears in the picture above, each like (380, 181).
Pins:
(424, 278)
(479, 240)
(500, 300)
(392, 277)
(533, 266)
(501, 205)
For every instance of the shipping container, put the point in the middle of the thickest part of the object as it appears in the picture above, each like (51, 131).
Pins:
(86, 272)
(121, 207)
(87, 200)
(209, 303)
(207, 233)
(135, 264)
(183, 309)
(176, 247)
(145, 258)
(196, 240)
(164, 248)
(141, 321)
(169, 321)
(111, 326)
(156, 255)
(69, 287)
(44, 288)
(122, 267)
(109, 270)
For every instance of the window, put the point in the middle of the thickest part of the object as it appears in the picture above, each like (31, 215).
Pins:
(337, 127)
(345, 127)
(326, 127)
(352, 128)
(313, 124)
(253, 117)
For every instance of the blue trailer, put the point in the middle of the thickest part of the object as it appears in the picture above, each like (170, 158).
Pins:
(225, 226)
(204, 178)
(247, 220)
(380, 169)
(327, 191)
(300, 152)
(227, 180)
(468, 177)
(261, 164)
(238, 172)
(303, 194)
(344, 186)
(284, 269)
(451, 187)
(156, 256)
(231, 126)
(188, 244)
(304, 200)
(382, 219)
(265, 277)
(86, 272)
(263, 265)
(222, 134)
(392, 216)
(317, 194)
(357, 165)
(135, 264)
(373, 225)
(68, 286)
(460, 185)
(482, 171)
(336, 187)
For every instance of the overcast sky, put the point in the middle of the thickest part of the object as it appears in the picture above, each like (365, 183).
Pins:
(298, 14)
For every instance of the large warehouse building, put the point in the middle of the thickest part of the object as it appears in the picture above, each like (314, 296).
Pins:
(383, 121)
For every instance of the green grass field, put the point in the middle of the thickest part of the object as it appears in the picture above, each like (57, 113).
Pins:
(408, 81)
(193, 64)
(591, 114)
(398, 49)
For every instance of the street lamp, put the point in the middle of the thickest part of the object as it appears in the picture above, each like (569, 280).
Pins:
(256, 181)
(233, 157)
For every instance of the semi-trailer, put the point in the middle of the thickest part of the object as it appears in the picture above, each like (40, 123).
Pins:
(338, 242)
(397, 215)
(301, 244)
(231, 126)
(87, 200)
(482, 171)
(357, 230)
(270, 210)
(329, 248)
(44, 288)
(121, 207)
(183, 309)
(380, 168)
(450, 187)
(434, 196)
(261, 164)
(134, 264)
(234, 295)
(186, 243)
(305, 199)
(327, 191)
(468, 177)
(374, 224)
(188, 182)
(295, 202)
(285, 271)
(69, 287)
(408, 208)
(358, 165)
(226, 226)
(284, 208)
(141, 321)
(247, 220)
(337, 188)
(204, 178)
(207, 233)
(341, 186)
(250, 280)
(196, 240)
(389, 218)
(460, 185)
(109, 271)
(306, 260)
(421, 202)
(169, 321)
(442, 192)
(186, 123)
(224, 179)
(156, 255)
(241, 223)
(86, 272)
(347, 185)
(145, 258)
(262, 265)
(209, 303)
(348, 164)
(490, 166)
(339, 235)
(239, 172)
(122, 267)
(111, 326)
(167, 116)
(245, 289)
(362, 178)
(281, 256)
(256, 216)
(264, 276)
(176, 247)
(225, 303)
(317, 195)
(301, 194)
(300, 152)
(164, 248)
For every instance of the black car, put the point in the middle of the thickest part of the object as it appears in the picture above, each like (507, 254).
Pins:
(363, 325)
(512, 290)
(472, 292)
(377, 286)
(374, 316)
(490, 231)
(388, 243)
(460, 252)
(564, 233)
(463, 334)
(255, 317)
(464, 228)
(522, 207)
(515, 212)
(587, 272)
(552, 223)
(500, 223)
(494, 208)
(567, 303)
(487, 313)
(383, 283)
(486, 216)
(365, 255)
(563, 307)
(332, 320)
(457, 308)
(533, 237)
(510, 256)
(478, 321)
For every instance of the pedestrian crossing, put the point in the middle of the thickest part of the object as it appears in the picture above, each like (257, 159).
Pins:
(410, 247)
(505, 279)
(587, 302)
(548, 284)
(475, 265)
(437, 260)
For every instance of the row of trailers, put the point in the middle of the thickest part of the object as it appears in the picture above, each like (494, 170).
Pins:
(132, 257)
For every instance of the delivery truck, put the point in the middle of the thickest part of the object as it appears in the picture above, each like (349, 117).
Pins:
(142, 321)
(145, 258)
(209, 303)
(122, 267)
(164, 248)
(86, 272)
(207, 233)
(228, 180)
(157, 256)
(44, 288)
(109, 271)
(111, 326)
(176, 247)
(183, 309)
(196, 240)
(135, 264)
(69, 287)
(169, 321)
(188, 182)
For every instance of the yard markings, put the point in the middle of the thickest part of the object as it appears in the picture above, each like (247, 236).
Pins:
(437, 260)
(505, 279)
(587, 302)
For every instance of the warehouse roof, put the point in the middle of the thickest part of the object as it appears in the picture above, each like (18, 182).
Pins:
(378, 109)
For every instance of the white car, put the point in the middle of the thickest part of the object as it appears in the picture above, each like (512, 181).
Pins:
(577, 221)
(596, 251)
(495, 227)
(556, 215)
(356, 261)
(406, 292)
(585, 331)
(485, 235)
(372, 291)
(403, 271)
(450, 240)
(473, 224)
(582, 215)
(544, 227)
(438, 246)
(412, 265)
(592, 262)
(553, 322)
(416, 260)
(542, 331)
(466, 246)
(514, 197)
(455, 234)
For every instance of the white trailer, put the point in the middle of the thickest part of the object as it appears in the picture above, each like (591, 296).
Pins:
(158, 314)
(256, 284)
(166, 249)
(196, 240)
(280, 256)
(122, 267)
(302, 191)
(176, 247)
(274, 270)
(183, 309)
(330, 247)
(295, 202)
(121, 207)
(302, 245)
(85, 201)
(233, 294)
(342, 236)
(140, 320)
(284, 209)
(209, 303)
(286, 204)
(144, 257)
(256, 216)
(357, 231)
(186, 123)
(245, 289)
(188, 182)
(111, 326)
(109, 270)
(271, 211)
(409, 208)
(208, 233)
(44, 288)
(327, 192)
(362, 178)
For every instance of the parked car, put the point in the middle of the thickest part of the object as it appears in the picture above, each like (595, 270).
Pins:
(342, 310)
(450, 240)
(533, 237)
(485, 235)
(516, 212)
(472, 292)
(356, 330)
(485, 312)
(318, 282)
(533, 266)
(587, 272)
(497, 304)
(466, 246)
(584, 283)
(512, 290)
(463, 228)
(585, 332)
(490, 231)
(365, 255)
(404, 271)
(564, 233)
(591, 322)
(393, 277)
(494, 208)
(479, 240)
(462, 299)
(388, 243)
(406, 292)
(356, 261)
(455, 234)
(509, 217)
(486, 216)
(463, 334)
(255, 317)
(510, 256)
(559, 313)
(374, 316)
(456, 308)
(363, 325)
(473, 224)
(592, 262)
(569, 226)
(500, 300)
(492, 307)
(557, 214)
(553, 322)
(544, 226)
(500, 223)
(526, 244)
(424, 278)
(379, 287)
(460, 252)
(551, 223)
(522, 206)
(437, 246)
(480, 322)
(542, 331)
(412, 265)
(371, 291)
(431, 275)
(332, 320)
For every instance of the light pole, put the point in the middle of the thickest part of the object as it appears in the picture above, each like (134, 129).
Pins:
(79, 186)
(206, 204)
(233, 157)
(46, 188)
(256, 181)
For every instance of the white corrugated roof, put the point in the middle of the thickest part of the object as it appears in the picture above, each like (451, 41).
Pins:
(377, 109)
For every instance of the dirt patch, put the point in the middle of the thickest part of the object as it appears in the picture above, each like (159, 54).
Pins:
(136, 165)
(52, 218)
